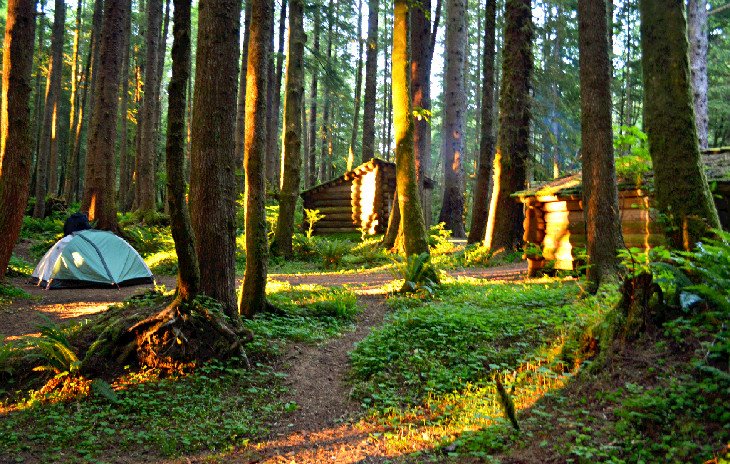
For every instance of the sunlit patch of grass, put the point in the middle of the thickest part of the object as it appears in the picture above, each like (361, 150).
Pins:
(217, 406)
(163, 262)
(306, 313)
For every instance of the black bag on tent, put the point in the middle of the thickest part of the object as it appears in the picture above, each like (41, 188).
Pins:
(75, 223)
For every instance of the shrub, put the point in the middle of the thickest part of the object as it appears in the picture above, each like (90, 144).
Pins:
(331, 252)
(477, 255)
(438, 239)
(418, 274)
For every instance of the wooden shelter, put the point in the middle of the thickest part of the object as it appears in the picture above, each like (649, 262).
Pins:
(360, 199)
(554, 211)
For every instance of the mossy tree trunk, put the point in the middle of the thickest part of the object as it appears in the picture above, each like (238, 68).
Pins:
(452, 129)
(188, 275)
(681, 187)
(16, 147)
(414, 230)
(504, 227)
(292, 139)
(371, 77)
(358, 91)
(600, 195)
(99, 198)
(253, 291)
(213, 191)
(480, 209)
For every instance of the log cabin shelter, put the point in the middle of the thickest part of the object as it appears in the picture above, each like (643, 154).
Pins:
(554, 216)
(360, 200)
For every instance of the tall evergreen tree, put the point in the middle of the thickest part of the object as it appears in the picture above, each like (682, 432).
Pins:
(480, 210)
(313, 139)
(679, 180)
(292, 136)
(600, 195)
(99, 198)
(414, 230)
(452, 128)
(504, 227)
(188, 275)
(213, 191)
(371, 70)
(15, 142)
(46, 164)
(253, 290)
(698, 38)
(148, 118)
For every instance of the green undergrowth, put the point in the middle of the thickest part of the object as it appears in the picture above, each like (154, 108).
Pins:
(214, 408)
(9, 293)
(306, 313)
(471, 329)
(147, 414)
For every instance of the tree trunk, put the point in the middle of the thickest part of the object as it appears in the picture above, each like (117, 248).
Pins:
(272, 148)
(99, 198)
(292, 139)
(480, 211)
(38, 105)
(414, 230)
(125, 163)
(188, 274)
(504, 227)
(241, 105)
(158, 154)
(71, 172)
(213, 191)
(72, 185)
(313, 139)
(48, 141)
(679, 179)
(253, 291)
(16, 147)
(371, 75)
(97, 21)
(272, 181)
(697, 32)
(600, 195)
(358, 91)
(148, 114)
(325, 131)
(452, 129)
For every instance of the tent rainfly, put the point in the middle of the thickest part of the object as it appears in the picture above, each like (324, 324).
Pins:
(91, 258)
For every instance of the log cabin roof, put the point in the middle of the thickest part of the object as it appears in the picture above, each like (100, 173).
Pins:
(715, 160)
(349, 175)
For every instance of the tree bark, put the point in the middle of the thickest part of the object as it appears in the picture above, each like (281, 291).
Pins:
(313, 139)
(504, 226)
(371, 75)
(99, 198)
(292, 138)
(452, 129)
(698, 38)
(72, 185)
(38, 104)
(272, 181)
(253, 291)
(148, 114)
(272, 148)
(421, 97)
(213, 191)
(679, 179)
(188, 274)
(358, 91)
(71, 172)
(125, 163)
(16, 147)
(600, 195)
(480, 211)
(48, 141)
(241, 106)
(414, 230)
(325, 130)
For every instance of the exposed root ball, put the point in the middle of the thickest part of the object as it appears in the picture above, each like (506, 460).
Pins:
(184, 334)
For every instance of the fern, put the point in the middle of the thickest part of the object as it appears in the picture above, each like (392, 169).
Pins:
(417, 273)
(54, 350)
